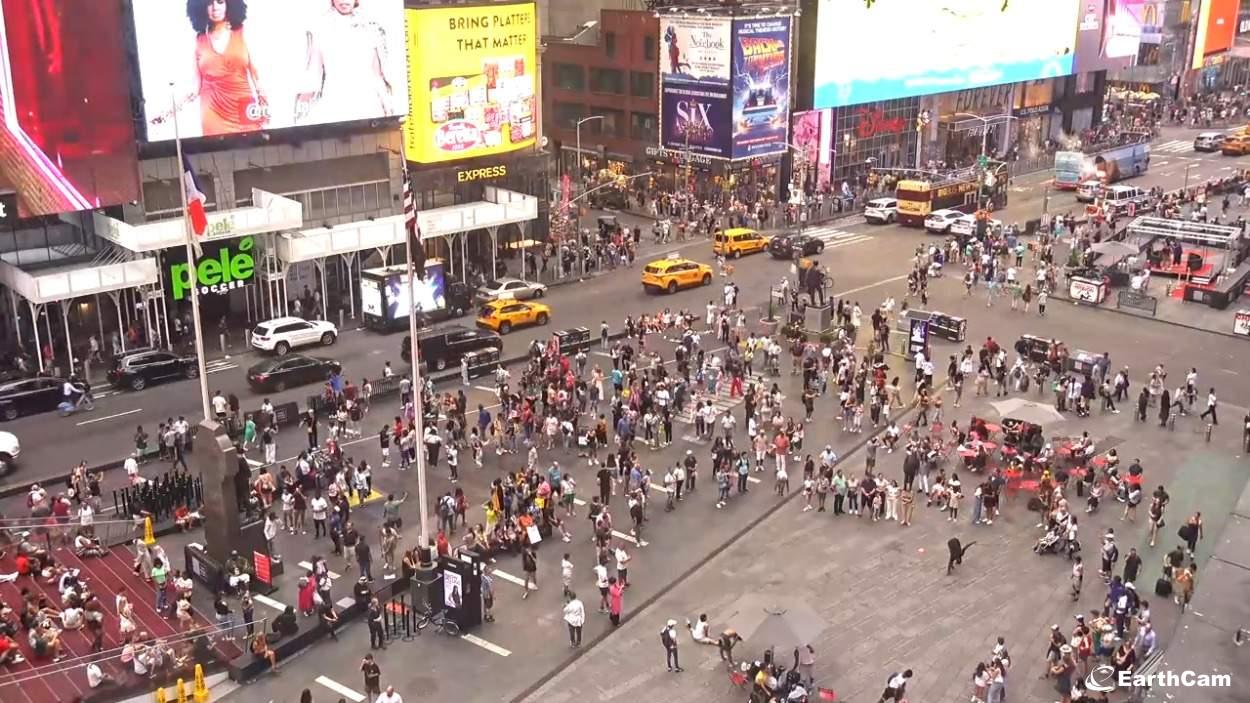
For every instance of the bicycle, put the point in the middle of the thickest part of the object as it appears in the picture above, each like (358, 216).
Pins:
(441, 623)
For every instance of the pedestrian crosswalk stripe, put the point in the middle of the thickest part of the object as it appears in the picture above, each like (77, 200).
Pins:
(488, 646)
(266, 600)
(1174, 146)
(513, 579)
(340, 689)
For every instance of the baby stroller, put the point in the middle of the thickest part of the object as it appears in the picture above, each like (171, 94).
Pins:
(1048, 543)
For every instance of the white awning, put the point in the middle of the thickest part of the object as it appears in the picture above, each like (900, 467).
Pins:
(501, 207)
(53, 285)
(321, 242)
(269, 213)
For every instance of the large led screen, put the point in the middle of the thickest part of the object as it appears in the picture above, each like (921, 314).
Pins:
(696, 98)
(1109, 34)
(1217, 28)
(236, 66)
(67, 138)
(896, 48)
(761, 80)
(473, 72)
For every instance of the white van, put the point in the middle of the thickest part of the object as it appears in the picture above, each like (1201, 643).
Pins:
(1125, 200)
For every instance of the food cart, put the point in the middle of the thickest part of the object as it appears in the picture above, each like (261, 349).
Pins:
(1088, 289)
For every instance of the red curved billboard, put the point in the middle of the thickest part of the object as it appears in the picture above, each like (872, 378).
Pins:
(1217, 29)
(67, 138)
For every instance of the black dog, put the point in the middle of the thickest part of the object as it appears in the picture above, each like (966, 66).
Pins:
(957, 552)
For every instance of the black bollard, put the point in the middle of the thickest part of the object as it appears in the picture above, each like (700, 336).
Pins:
(410, 624)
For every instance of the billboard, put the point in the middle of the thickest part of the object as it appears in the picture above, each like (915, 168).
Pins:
(761, 86)
(696, 118)
(67, 139)
(1241, 43)
(812, 133)
(385, 295)
(886, 49)
(696, 98)
(221, 67)
(696, 49)
(1109, 34)
(1216, 31)
(472, 79)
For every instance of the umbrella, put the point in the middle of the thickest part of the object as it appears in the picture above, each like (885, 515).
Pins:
(775, 623)
(1115, 248)
(1028, 411)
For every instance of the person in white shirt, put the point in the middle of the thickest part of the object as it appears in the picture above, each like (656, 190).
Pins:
(132, 469)
(96, 676)
(699, 630)
(575, 618)
(220, 406)
(389, 696)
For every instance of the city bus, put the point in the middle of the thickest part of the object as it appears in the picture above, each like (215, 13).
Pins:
(956, 190)
(1105, 165)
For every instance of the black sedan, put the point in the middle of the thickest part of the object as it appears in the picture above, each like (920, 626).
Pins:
(136, 369)
(281, 373)
(29, 396)
(790, 246)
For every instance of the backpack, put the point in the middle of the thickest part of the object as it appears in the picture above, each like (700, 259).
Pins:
(446, 507)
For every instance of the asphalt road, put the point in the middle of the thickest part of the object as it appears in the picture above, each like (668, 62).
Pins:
(869, 256)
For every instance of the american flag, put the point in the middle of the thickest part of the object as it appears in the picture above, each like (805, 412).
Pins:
(410, 223)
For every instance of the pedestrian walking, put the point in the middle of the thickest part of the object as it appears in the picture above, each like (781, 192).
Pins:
(377, 634)
(373, 677)
(529, 564)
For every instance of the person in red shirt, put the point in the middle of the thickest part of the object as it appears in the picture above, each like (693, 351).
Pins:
(10, 653)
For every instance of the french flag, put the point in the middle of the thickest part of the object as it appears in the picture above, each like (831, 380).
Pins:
(195, 200)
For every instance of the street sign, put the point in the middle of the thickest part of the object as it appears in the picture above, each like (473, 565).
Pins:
(983, 161)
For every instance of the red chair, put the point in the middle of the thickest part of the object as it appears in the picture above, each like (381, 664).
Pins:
(738, 679)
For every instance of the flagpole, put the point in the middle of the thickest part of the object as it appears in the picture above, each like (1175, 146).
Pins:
(198, 328)
(411, 233)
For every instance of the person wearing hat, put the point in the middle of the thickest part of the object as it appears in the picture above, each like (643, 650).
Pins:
(1052, 648)
(1063, 669)
(668, 638)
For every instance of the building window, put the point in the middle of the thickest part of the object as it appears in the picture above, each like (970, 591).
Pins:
(641, 85)
(609, 44)
(613, 123)
(567, 114)
(570, 77)
(607, 80)
(648, 48)
(642, 126)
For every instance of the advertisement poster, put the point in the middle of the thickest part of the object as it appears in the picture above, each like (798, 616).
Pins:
(67, 141)
(1241, 322)
(761, 86)
(453, 589)
(812, 133)
(696, 119)
(387, 296)
(1109, 34)
(695, 50)
(473, 81)
(1217, 29)
(867, 52)
(247, 65)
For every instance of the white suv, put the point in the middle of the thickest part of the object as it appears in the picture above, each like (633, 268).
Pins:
(881, 210)
(283, 334)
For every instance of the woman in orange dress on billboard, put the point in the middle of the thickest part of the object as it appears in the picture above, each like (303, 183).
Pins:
(227, 81)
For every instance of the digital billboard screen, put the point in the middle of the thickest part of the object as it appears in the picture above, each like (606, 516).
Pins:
(696, 98)
(386, 296)
(224, 67)
(472, 78)
(886, 49)
(1241, 43)
(67, 139)
(1216, 32)
(761, 86)
(1109, 34)
(812, 133)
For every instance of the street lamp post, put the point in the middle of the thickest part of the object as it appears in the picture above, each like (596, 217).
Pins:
(985, 133)
(577, 221)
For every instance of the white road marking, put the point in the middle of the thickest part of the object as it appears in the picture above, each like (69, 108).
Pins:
(871, 285)
(266, 600)
(340, 689)
(1161, 163)
(109, 417)
(627, 537)
(659, 488)
(308, 567)
(488, 646)
(488, 389)
(513, 579)
(752, 479)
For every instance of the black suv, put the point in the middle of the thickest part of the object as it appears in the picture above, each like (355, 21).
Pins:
(137, 368)
(443, 347)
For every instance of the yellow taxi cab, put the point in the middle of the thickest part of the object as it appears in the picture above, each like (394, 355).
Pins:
(738, 241)
(1236, 145)
(503, 315)
(674, 272)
